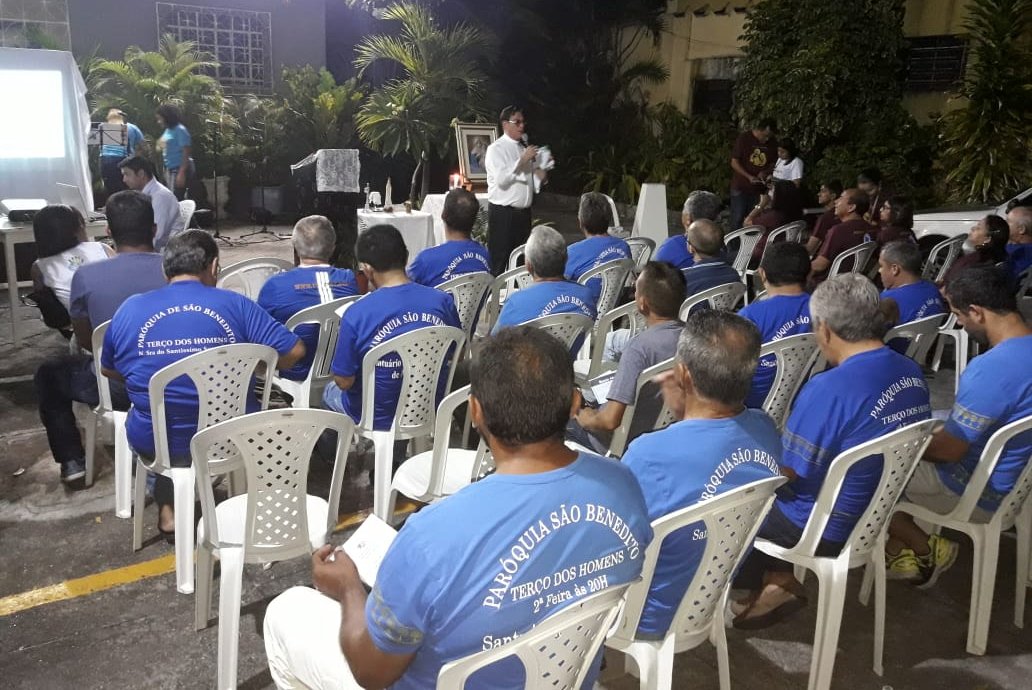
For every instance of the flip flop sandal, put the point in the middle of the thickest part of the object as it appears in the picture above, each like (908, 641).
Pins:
(742, 622)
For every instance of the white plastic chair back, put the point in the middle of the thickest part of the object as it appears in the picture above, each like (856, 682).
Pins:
(794, 356)
(326, 317)
(442, 438)
(745, 239)
(186, 211)
(614, 277)
(941, 257)
(615, 223)
(644, 387)
(860, 255)
(248, 276)
(468, 291)
(919, 335)
(556, 653)
(642, 249)
(503, 286)
(604, 326)
(567, 328)
(515, 256)
(722, 297)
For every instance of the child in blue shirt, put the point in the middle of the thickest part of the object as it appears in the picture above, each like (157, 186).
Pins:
(597, 247)
(460, 254)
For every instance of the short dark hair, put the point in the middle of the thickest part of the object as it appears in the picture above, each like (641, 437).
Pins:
(56, 228)
(663, 287)
(834, 186)
(872, 175)
(170, 114)
(189, 253)
(508, 111)
(859, 199)
(130, 218)
(767, 123)
(460, 211)
(523, 379)
(982, 286)
(382, 247)
(136, 164)
(720, 350)
(785, 263)
(901, 212)
(594, 213)
(906, 255)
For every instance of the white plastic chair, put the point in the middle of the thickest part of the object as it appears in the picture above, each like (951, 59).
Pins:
(603, 327)
(186, 211)
(275, 520)
(789, 232)
(644, 387)
(469, 292)
(567, 328)
(615, 227)
(105, 413)
(794, 357)
(503, 286)
(861, 255)
(642, 249)
(514, 257)
(941, 258)
(961, 348)
(731, 521)
(985, 536)
(424, 353)
(722, 297)
(556, 653)
(919, 335)
(614, 276)
(746, 239)
(326, 317)
(222, 376)
(901, 450)
(248, 276)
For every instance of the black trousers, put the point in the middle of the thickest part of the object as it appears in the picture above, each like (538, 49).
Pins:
(507, 228)
(783, 532)
(111, 174)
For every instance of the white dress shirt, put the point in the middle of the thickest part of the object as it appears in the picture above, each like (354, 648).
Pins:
(166, 212)
(508, 182)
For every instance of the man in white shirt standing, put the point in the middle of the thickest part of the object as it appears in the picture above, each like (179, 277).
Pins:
(512, 179)
(138, 174)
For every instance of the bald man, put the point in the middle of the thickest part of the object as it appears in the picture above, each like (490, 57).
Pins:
(709, 267)
(1019, 248)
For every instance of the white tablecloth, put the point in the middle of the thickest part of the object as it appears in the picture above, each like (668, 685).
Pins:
(434, 204)
(416, 228)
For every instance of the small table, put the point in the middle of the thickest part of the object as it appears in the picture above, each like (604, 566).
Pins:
(416, 228)
(21, 233)
(434, 204)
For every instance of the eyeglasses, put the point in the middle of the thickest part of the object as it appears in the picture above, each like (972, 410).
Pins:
(517, 122)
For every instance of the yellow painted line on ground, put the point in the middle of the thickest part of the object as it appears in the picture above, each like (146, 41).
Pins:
(116, 577)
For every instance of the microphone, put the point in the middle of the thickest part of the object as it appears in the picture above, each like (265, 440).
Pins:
(523, 140)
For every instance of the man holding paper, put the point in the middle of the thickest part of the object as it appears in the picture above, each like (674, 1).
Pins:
(480, 568)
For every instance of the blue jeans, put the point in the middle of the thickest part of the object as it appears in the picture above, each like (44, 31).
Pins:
(741, 204)
(333, 399)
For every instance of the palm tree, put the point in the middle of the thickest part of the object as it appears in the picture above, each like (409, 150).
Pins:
(440, 79)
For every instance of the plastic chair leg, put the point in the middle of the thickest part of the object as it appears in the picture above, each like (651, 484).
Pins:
(383, 453)
(877, 564)
(866, 584)
(230, 584)
(138, 501)
(1021, 581)
(663, 668)
(123, 468)
(718, 636)
(831, 577)
(646, 658)
(203, 575)
(91, 444)
(983, 581)
(183, 486)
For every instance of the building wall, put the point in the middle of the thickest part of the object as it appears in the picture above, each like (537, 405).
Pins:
(47, 16)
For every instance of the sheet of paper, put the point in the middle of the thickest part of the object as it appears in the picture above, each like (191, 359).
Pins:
(368, 545)
(600, 387)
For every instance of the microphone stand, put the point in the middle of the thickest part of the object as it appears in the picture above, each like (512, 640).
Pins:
(215, 175)
(265, 215)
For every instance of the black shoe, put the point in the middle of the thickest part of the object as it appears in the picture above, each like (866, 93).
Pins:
(72, 471)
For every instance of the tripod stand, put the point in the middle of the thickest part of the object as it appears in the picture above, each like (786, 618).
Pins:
(261, 214)
(215, 176)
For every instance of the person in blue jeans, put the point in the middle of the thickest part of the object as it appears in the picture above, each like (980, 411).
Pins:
(483, 566)
(176, 149)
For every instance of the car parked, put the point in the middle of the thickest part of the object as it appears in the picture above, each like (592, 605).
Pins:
(934, 225)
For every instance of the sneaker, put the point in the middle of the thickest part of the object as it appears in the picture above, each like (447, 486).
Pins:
(72, 470)
(903, 566)
(941, 556)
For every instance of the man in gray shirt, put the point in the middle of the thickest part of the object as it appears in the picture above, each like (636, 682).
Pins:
(659, 292)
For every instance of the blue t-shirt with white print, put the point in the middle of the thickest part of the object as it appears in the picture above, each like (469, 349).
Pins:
(544, 298)
(435, 265)
(383, 314)
(915, 301)
(592, 252)
(674, 250)
(287, 293)
(777, 317)
(485, 565)
(689, 462)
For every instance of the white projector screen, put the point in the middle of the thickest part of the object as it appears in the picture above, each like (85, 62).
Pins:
(32, 123)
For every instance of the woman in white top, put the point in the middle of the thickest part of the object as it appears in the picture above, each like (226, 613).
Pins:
(789, 165)
(62, 246)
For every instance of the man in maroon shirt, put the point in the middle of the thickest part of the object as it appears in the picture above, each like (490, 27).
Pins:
(752, 160)
(851, 231)
(828, 194)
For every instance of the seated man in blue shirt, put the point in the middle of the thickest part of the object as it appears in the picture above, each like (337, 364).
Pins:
(1019, 248)
(995, 390)
(709, 268)
(313, 282)
(460, 254)
(699, 205)
(98, 290)
(598, 246)
(484, 565)
(658, 292)
(784, 312)
(717, 445)
(869, 391)
(899, 266)
(161, 327)
(550, 293)
(394, 306)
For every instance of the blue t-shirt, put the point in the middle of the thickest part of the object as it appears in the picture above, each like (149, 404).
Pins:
(709, 274)
(686, 463)
(175, 139)
(98, 289)
(383, 314)
(544, 298)
(590, 253)
(435, 265)
(287, 293)
(865, 397)
(1020, 258)
(134, 137)
(995, 390)
(777, 317)
(915, 301)
(486, 564)
(674, 250)
(158, 328)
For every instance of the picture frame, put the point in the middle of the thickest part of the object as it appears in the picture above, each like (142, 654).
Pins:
(471, 142)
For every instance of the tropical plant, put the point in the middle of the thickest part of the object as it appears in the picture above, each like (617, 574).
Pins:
(439, 79)
(318, 113)
(987, 148)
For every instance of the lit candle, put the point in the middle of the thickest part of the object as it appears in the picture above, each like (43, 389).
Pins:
(454, 181)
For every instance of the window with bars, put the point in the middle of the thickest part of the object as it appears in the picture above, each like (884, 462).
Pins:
(239, 40)
(935, 63)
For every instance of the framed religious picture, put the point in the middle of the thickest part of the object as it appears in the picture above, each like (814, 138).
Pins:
(472, 140)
